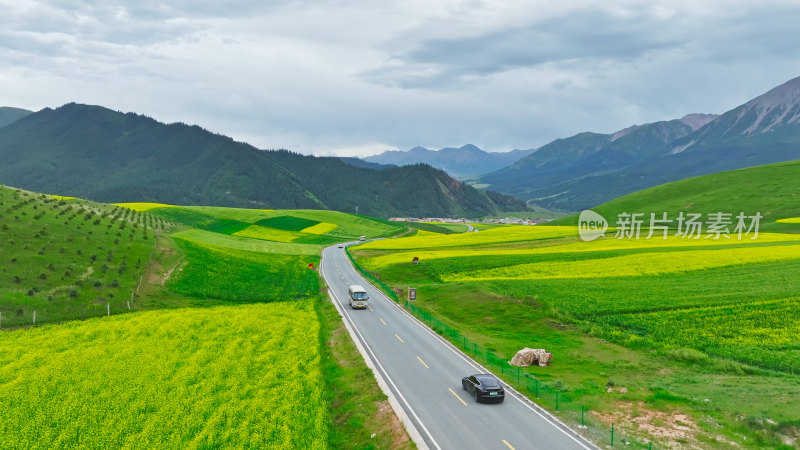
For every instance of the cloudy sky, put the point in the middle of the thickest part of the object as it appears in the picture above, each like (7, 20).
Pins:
(359, 77)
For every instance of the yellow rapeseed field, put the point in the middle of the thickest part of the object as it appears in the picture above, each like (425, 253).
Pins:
(320, 228)
(605, 244)
(649, 263)
(143, 206)
(60, 197)
(225, 377)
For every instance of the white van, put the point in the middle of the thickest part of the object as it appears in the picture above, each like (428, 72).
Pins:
(358, 297)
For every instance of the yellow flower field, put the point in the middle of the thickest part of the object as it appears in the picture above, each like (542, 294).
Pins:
(141, 207)
(225, 377)
(605, 244)
(320, 228)
(60, 197)
(789, 220)
(650, 263)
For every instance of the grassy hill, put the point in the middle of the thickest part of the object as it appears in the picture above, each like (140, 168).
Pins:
(224, 324)
(772, 189)
(65, 259)
(109, 156)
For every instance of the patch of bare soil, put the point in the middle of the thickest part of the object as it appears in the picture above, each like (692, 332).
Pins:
(154, 271)
(386, 415)
(167, 275)
(672, 429)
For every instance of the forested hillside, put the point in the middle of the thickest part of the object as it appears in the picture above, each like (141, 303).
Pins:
(95, 153)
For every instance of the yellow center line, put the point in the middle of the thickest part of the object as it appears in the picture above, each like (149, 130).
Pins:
(507, 444)
(423, 362)
(399, 338)
(459, 398)
(382, 320)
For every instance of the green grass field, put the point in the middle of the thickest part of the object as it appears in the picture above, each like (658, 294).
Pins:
(686, 326)
(244, 276)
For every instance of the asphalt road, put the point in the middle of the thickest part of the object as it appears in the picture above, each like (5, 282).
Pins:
(423, 372)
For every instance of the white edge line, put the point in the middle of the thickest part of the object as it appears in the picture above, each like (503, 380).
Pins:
(544, 414)
(364, 349)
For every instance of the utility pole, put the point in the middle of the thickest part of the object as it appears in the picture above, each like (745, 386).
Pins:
(356, 209)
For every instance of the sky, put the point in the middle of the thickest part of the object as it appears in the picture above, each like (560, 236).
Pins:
(355, 78)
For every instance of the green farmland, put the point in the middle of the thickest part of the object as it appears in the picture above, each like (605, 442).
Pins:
(205, 329)
(702, 329)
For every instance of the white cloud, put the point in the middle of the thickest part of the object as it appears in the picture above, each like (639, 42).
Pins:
(354, 77)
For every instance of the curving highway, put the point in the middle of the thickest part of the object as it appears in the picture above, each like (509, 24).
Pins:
(421, 373)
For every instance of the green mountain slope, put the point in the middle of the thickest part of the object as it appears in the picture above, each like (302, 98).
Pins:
(541, 176)
(10, 115)
(93, 152)
(772, 190)
(762, 131)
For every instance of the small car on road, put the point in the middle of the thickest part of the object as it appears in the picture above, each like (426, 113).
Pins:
(341, 245)
(484, 386)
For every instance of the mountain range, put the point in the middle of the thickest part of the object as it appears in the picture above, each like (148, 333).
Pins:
(9, 115)
(590, 168)
(99, 154)
(459, 162)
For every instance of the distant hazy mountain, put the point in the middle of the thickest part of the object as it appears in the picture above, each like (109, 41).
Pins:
(99, 154)
(458, 162)
(9, 115)
(588, 169)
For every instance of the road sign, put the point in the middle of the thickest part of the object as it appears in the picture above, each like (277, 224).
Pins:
(412, 294)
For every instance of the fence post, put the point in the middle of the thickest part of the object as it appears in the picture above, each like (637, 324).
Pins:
(557, 392)
(108, 308)
(34, 317)
(536, 387)
(517, 375)
(582, 423)
(612, 433)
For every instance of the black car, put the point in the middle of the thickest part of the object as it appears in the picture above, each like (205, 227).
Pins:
(483, 386)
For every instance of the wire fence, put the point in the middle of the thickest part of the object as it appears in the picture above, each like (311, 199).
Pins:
(381, 285)
(554, 396)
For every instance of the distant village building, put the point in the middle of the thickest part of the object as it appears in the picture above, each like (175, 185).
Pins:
(507, 220)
